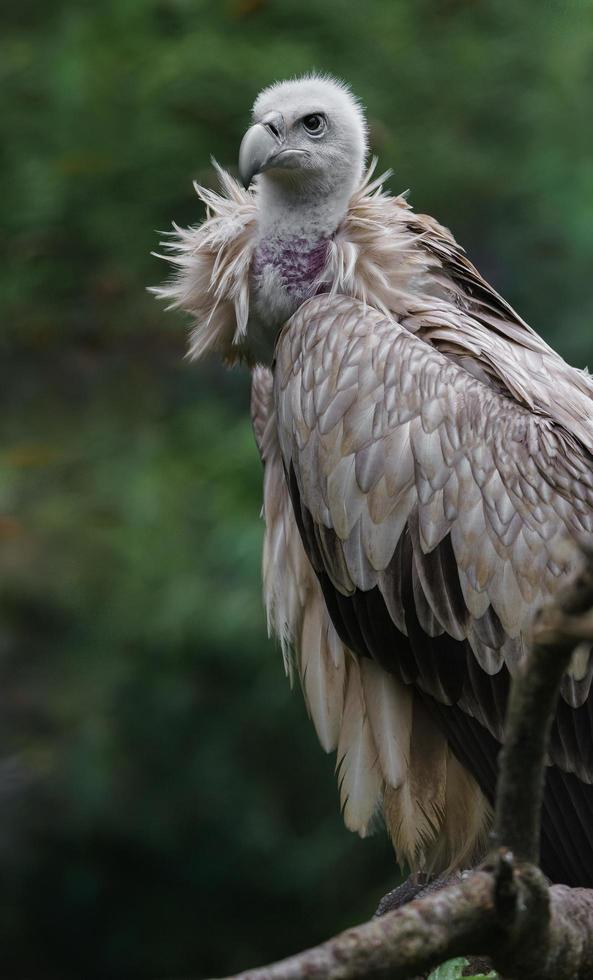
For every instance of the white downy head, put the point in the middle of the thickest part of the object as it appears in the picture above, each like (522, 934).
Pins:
(306, 149)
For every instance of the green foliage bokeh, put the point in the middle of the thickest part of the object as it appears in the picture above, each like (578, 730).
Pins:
(164, 808)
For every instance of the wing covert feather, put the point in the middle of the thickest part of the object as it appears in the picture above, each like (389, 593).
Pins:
(356, 707)
(494, 497)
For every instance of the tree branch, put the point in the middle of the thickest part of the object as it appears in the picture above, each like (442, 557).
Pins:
(530, 715)
(461, 920)
(506, 909)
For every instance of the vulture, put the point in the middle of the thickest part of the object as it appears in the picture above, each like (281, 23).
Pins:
(428, 478)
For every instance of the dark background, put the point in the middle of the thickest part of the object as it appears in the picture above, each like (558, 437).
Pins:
(164, 808)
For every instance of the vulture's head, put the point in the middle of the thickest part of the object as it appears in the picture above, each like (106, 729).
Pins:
(307, 133)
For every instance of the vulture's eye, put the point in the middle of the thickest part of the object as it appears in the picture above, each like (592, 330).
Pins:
(315, 124)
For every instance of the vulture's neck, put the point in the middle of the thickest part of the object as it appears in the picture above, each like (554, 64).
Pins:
(289, 210)
(294, 230)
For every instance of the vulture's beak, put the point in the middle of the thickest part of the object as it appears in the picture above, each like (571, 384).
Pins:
(264, 147)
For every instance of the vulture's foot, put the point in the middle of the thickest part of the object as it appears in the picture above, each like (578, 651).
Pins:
(404, 893)
(416, 886)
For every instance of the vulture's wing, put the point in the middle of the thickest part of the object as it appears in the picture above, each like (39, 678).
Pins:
(434, 810)
(438, 514)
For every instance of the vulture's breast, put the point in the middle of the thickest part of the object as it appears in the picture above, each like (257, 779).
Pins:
(284, 273)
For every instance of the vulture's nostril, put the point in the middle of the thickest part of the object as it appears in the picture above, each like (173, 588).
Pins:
(275, 125)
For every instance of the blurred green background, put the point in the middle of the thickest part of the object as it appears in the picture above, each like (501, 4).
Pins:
(165, 810)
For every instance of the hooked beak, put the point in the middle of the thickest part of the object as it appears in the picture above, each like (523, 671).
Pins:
(263, 147)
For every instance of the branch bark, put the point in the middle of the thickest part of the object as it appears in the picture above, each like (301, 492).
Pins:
(530, 714)
(505, 910)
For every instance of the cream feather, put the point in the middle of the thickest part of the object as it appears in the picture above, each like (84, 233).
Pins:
(389, 710)
(467, 818)
(358, 768)
(211, 269)
(414, 811)
(323, 672)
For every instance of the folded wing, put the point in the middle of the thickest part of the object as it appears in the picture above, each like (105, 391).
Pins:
(438, 512)
(381, 731)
